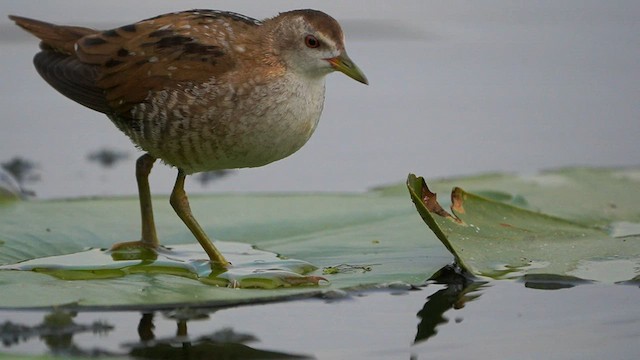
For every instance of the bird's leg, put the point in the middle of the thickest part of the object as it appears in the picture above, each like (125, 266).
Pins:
(149, 238)
(180, 204)
(143, 168)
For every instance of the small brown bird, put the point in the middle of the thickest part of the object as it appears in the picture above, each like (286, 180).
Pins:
(201, 90)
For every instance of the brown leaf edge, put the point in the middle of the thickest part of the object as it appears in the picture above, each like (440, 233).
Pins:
(427, 204)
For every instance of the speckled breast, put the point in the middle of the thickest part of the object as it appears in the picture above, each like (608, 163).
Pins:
(210, 126)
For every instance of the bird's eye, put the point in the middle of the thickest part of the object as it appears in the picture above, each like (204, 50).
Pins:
(311, 41)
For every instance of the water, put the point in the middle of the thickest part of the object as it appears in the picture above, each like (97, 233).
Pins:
(499, 320)
(456, 88)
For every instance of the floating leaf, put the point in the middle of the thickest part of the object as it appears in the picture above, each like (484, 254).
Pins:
(494, 239)
(251, 268)
(591, 196)
(366, 231)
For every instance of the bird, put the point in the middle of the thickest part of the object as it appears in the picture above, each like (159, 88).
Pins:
(200, 90)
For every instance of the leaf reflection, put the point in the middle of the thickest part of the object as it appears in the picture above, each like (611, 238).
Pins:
(458, 291)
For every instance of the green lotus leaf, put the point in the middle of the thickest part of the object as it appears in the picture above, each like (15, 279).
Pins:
(280, 247)
(498, 239)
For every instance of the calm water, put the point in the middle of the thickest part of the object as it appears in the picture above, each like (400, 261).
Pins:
(499, 320)
(456, 88)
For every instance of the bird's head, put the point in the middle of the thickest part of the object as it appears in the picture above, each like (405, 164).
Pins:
(312, 43)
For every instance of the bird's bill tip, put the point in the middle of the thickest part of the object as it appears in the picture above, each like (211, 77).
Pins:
(346, 66)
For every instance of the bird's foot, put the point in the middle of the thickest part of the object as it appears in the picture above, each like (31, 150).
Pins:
(130, 250)
(132, 245)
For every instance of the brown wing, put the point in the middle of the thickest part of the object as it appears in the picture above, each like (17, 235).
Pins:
(111, 71)
(158, 53)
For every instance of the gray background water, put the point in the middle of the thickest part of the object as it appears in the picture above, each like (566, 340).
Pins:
(457, 87)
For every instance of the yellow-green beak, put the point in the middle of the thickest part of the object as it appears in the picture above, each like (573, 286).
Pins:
(344, 64)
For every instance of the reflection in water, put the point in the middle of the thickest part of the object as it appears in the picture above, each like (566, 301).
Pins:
(107, 158)
(56, 331)
(145, 327)
(9, 187)
(23, 171)
(457, 292)
(206, 177)
(222, 344)
(19, 172)
(552, 281)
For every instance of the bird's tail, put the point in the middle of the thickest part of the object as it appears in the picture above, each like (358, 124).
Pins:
(54, 37)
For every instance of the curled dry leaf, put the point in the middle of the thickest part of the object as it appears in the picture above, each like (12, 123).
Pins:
(430, 201)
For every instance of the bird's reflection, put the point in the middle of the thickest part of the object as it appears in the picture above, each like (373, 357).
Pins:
(58, 329)
(146, 327)
(222, 344)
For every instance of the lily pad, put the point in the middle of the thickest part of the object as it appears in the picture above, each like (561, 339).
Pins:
(334, 233)
(592, 196)
(251, 268)
(499, 240)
